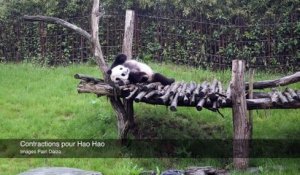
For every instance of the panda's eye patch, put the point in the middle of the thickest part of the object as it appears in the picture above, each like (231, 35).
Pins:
(123, 75)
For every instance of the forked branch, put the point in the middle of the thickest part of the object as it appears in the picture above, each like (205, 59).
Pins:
(93, 39)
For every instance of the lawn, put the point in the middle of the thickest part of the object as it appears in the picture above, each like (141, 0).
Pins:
(42, 103)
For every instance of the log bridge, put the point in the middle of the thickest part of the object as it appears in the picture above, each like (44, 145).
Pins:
(209, 95)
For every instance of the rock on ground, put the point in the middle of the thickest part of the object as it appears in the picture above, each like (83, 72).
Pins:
(59, 171)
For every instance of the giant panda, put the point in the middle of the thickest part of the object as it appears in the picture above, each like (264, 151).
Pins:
(124, 71)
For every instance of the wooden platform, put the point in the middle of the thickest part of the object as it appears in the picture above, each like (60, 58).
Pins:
(209, 95)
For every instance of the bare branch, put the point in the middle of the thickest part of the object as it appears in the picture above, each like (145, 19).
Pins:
(93, 39)
(277, 82)
(61, 22)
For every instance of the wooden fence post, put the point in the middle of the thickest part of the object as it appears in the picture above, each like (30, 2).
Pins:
(127, 50)
(128, 33)
(241, 128)
(251, 81)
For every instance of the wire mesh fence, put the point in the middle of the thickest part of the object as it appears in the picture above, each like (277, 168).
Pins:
(194, 40)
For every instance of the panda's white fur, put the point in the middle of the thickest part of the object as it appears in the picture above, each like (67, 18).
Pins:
(118, 73)
(136, 66)
(121, 72)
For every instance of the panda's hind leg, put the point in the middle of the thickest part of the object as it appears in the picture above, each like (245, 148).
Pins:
(157, 77)
(138, 77)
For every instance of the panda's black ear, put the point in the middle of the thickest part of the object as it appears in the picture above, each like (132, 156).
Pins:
(108, 72)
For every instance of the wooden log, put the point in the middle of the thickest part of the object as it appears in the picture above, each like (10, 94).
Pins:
(194, 86)
(99, 89)
(193, 99)
(214, 106)
(200, 104)
(150, 94)
(288, 97)
(163, 91)
(167, 94)
(266, 103)
(208, 102)
(196, 91)
(174, 88)
(88, 78)
(151, 86)
(252, 104)
(257, 95)
(169, 101)
(193, 96)
(292, 93)
(298, 93)
(186, 100)
(190, 88)
(174, 102)
(182, 91)
(139, 97)
(274, 98)
(204, 89)
(127, 88)
(282, 98)
(220, 99)
(160, 87)
(241, 130)
(214, 84)
(228, 93)
(220, 88)
(225, 101)
(212, 90)
(277, 82)
(132, 93)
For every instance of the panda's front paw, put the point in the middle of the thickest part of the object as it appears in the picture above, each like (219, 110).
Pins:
(144, 78)
(121, 83)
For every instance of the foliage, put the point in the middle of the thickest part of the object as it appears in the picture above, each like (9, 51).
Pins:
(193, 32)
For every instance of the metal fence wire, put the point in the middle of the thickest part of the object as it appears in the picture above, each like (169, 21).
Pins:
(193, 41)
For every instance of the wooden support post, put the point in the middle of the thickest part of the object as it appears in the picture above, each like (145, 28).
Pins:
(251, 81)
(127, 50)
(241, 128)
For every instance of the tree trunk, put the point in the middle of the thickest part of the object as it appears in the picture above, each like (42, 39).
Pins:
(128, 34)
(127, 50)
(115, 101)
(240, 120)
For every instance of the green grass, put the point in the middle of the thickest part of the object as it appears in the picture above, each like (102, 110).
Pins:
(42, 103)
